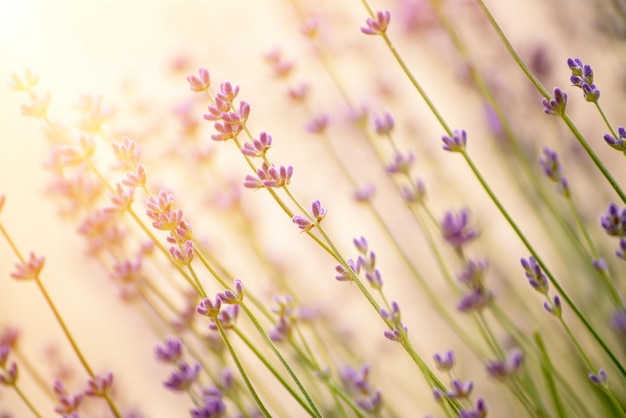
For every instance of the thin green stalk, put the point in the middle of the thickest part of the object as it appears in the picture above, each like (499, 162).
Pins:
(410, 75)
(548, 374)
(613, 292)
(243, 373)
(605, 119)
(274, 372)
(581, 139)
(272, 346)
(26, 401)
(614, 401)
(543, 266)
(528, 347)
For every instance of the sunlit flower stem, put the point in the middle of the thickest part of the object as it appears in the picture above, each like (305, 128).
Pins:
(26, 401)
(493, 197)
(194, 282)
(242, 371)
(410, 75)
(32, 371)
(260, 329)
(531, 249)
(604, 274)
(548, 371)
(545, 93)
(525, 163)
(60, 320)
(274, 372)
(605, 119)
(540, 355)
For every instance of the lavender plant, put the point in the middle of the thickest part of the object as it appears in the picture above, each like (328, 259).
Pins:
(327, 270)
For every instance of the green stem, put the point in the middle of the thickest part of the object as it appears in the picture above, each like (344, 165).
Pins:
(274, 372)
(243, 373)
(544, 92)
(27, 401)
(548, 373)
(272, 346)
(605, 119)
(543, 266)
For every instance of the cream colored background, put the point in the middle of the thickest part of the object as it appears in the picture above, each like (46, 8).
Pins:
(95, 47)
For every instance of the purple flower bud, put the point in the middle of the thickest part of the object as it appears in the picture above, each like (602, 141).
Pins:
(378, 25)
(617, 143)
(556, 105)
(535, 275)
(590, 92)
(181, 379)
(393, 335)
(375, 279)
(456, 230)
(618, 322)
(9, 377)
(170, 351)
(212, 407)
(614, 222)
(473, 273)
(444, 362)
(554, 307)
(4, 355)
(209, 308)
(364, 194)
(232, 297)
(227, 317)
(456, 143)
(383, 124)
(475, 301)
(582, 77)
(401, 164)
(360, 244)
(600, 379)
(344, 274)
(460, 389)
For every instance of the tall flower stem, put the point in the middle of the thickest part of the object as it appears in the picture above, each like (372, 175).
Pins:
(243, 373)
(548, 373)
(544, 92)
(60, 321)
(534, 253)
(26, 401)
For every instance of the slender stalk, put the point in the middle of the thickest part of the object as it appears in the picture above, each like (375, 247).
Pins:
(243, 373)
(548, 373)
(543, 266)
(544, 92)
(26, 401)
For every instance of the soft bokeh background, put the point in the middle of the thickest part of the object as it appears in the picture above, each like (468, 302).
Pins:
(128, 53)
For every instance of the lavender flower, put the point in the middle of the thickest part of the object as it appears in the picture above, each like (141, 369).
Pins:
(556, 105)
(600, 378)
(535, 275)
(618, 143)
(504, 369)
(460, 389)
(475, 301)
(383, 124)
(378, 25)
(473, 274)
(456, 230)
(582, 77)
(211, 407)
(480, 411)
(552, 168)
(614, 222)
(456, 142)
(183, 377)
(444, 362)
